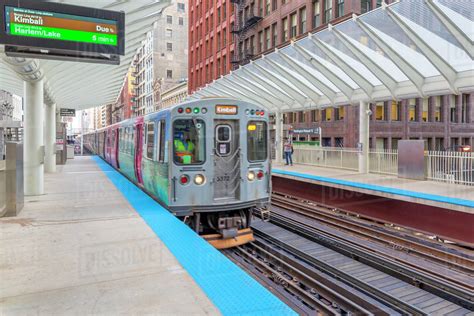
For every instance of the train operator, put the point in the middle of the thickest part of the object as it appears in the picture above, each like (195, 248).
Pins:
(183, 148)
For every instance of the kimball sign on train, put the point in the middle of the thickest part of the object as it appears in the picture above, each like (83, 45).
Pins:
(55, 29)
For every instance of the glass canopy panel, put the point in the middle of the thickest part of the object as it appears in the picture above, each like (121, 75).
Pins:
(303, 62)
(417, 11)
(289, 81)
(396, 38)
(462, 7)
(347, 56)
(320, 56)
(463, 23)
(256, 72)
(371, 50)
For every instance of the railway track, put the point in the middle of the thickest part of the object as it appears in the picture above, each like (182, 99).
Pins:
(321, 280)
(444, 271)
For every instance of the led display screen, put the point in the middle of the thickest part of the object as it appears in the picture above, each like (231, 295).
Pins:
(51, 25)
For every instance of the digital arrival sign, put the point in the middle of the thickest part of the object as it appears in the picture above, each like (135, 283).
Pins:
(52, 30)
(62, 27)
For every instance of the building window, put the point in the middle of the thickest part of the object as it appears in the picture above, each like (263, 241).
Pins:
(424, 114)
(181, 7)
(285, 29)
(303, 21)
(169, 19)
(274, 5)
(437, 108)
(365, 6)
(274, 35)
(293, 28)
(169, 47)
(314, 115)
(316, 14)
(169, 33)
(260, 42)
(267, 38)
(301, 117)
(267, 7)
(327, 11)
(452, 111)
(464, 112)
(181, 21)
(396, 111)
(379, 3)
(379, 111)
(339, 8)
(412, 110)
(224, 11)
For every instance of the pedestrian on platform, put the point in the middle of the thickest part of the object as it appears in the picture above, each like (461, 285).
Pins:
(288, 149)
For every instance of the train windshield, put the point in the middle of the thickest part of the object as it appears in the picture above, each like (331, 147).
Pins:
(257, 141)
(189, 142)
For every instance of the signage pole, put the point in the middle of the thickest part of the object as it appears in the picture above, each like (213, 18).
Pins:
(82, 133)
(320, 137)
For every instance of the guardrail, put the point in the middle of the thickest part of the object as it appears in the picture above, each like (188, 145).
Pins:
(443, 166)
(450, 166)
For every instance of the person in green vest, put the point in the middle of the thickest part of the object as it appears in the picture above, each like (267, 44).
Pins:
(183, 149)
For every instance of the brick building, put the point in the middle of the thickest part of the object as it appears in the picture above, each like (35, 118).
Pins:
(256, 27)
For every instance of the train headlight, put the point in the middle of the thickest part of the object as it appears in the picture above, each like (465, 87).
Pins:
(184, 179)
(260, 174)
(199, 179)
(251, 176)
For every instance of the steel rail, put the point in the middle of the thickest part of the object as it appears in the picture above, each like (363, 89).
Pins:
(325, 214)
(437, 286)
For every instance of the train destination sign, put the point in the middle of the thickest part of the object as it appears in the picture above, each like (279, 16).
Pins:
(36, 26)
(57, 26)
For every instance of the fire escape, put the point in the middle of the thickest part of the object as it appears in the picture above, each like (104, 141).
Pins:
(245, 20)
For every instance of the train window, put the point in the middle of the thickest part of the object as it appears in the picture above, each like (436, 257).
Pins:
(162, 152)
(150, 140)
(257, 141)
(223, 133)
(189, 141)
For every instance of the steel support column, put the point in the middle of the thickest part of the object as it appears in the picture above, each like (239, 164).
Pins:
(364, 113)
(50, 137)
(33, 133)
(278, 136)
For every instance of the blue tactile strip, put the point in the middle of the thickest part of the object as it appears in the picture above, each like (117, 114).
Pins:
(230, 289)
(373, 187)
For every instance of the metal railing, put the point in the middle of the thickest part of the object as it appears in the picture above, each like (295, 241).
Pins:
(383, 161)
(333, 157)
(443, 166)
(450, 166)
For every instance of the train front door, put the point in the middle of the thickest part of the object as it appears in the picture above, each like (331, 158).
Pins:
(226, 160)
(138, 152)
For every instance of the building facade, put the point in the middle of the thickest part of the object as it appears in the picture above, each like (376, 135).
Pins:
(211, 46)
(260, 26)
(162, 61)
(11, 118)
(173, 96)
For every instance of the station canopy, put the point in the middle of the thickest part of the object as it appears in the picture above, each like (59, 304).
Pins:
(411, 48)
(80, 85)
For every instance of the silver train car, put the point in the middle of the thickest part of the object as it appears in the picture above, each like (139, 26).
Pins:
(207, 161)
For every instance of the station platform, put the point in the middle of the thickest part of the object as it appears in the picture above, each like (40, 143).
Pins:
(438, 208)
(96, 244)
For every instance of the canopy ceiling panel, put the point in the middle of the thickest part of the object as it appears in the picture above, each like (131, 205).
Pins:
(81, 85)
(410, 48)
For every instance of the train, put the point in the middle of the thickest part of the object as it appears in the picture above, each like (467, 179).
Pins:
(206, 161)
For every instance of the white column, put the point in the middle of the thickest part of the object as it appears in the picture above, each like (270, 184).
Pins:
(364, 114)
(50, 138)
(278, 137)
(33, 135)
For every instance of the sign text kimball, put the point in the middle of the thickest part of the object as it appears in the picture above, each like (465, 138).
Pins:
(226, 109)
(67, 112)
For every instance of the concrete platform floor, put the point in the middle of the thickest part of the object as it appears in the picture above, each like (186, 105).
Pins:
(449, 190)
(82, 249)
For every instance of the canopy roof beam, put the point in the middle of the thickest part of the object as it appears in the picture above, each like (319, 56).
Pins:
(331, 76)
(257, 88)
(260, 99)
(276, 91)
(378, 72)
(325, 89)
(363, 83)
(293, 92)
(415, 77)
(438, 62)
(460, 36)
